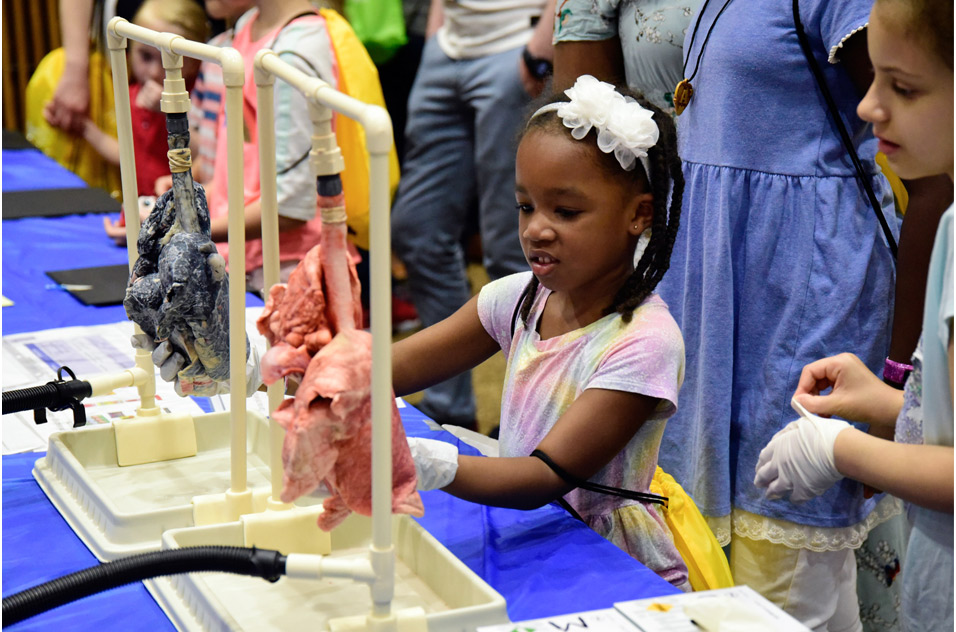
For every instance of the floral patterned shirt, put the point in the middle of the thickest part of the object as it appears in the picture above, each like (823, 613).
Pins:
(652, 38)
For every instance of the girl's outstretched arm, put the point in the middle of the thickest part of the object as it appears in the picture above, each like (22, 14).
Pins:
(921, 474)
(591, 432)
(444, 350)
(105, 145)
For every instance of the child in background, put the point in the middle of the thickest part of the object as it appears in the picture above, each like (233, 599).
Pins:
(910, 104)
(182, 17)
(320, 44)
(208, 95)
(594, 358)
(207, 102)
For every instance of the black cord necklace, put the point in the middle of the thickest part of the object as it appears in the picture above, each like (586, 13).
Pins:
(684, 90)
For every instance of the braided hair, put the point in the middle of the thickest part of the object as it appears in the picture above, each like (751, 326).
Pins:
(666, 178)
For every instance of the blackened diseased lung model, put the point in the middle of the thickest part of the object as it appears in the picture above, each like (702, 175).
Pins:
(179, 291)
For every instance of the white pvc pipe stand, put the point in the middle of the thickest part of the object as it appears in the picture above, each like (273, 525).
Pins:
(238, 498)
(378, 134)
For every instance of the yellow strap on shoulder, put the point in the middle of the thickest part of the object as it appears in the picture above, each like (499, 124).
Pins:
(900, 194)
(358, 78)
(707, 565)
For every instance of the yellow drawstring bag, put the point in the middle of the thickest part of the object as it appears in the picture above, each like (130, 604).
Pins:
(73, 152)
(707, 566)
(358, 78)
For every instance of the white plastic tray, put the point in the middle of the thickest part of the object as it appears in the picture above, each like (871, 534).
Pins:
(119, 511)
(427, 576)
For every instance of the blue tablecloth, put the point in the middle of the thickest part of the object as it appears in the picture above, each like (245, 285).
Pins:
(31, 170)
(543, 562)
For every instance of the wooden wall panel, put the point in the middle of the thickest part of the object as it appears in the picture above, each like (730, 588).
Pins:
(31, 29)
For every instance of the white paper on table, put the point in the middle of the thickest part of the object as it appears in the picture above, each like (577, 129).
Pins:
(740, 603)
(31, 359)
(608, 620)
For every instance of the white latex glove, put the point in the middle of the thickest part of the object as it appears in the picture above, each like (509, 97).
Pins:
(170, 363)
(436, 462)
(798, 460)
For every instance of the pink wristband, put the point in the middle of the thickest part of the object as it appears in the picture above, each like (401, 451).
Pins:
(896, 372)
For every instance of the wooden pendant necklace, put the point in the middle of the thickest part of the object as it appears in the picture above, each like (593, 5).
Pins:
(684, 90)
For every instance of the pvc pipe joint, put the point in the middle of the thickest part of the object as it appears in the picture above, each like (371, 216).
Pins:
(383, 568)
(175, 97)
(233, 68)
(115, 41)
(103, 384)
(262, 76)
(306, 566)
(378, 129)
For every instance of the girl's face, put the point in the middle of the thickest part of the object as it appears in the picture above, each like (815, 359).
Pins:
(146, 62)
(577, 224)
(910, 101)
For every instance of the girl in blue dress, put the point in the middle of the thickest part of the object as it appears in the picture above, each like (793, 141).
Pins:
(911, 107)
(779, 261)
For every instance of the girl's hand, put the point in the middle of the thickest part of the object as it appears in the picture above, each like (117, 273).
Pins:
(115, 231)
(436, 462)
(856, 394)
(799, 460)
(149, 95)
(68, 108)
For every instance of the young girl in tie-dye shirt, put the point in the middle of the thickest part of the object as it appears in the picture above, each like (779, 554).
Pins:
(595, 360)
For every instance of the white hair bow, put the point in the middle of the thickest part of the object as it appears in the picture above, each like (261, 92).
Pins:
(624, 128)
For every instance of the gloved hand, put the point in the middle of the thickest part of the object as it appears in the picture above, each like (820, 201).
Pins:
(436, 462)
(171, 362)
(798, 460)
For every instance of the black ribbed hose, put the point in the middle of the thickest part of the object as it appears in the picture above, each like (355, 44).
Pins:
(53, 395)
(269, 565)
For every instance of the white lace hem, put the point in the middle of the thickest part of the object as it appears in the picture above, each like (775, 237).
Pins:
(819, 539)
(721, 528)
(835, 50)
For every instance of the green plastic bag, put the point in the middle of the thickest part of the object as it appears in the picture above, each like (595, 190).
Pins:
(380, 26)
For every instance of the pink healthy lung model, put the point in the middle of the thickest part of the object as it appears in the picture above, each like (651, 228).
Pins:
(328, 423)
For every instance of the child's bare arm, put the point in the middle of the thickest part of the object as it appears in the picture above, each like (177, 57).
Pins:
(921, 474)
(252, 213)
(591, 432)
(104, 144)
(441, 351)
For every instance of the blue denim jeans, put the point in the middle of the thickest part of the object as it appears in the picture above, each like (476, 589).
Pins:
(463, 117)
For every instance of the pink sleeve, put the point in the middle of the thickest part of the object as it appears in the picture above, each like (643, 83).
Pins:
(648, 360)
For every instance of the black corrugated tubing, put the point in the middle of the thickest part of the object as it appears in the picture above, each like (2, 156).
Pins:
(269, 565)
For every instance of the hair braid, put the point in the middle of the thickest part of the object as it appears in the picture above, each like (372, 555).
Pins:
(531, 290)
(667, 180)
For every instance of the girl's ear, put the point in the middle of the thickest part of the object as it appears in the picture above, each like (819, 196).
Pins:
(643, 214)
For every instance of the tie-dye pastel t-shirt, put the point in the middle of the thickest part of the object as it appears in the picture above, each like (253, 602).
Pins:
(544, 377)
